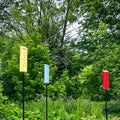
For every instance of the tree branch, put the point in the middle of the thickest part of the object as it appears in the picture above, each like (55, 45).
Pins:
(65, 23)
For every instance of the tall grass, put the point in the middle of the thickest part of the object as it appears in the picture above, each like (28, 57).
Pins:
(69, 109)
(60, 109)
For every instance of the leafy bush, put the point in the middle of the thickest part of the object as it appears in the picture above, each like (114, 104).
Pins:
(113, 107)
(60, 109)
(10, 111)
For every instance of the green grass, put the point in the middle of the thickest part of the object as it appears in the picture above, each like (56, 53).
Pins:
(60, 109)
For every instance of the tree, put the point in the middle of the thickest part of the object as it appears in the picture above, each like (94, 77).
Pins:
(99, 43)
(5, 23)
(38, 55)
(42, 26)
(101, 25)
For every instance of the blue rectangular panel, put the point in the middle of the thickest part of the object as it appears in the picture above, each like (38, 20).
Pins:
(46, 73)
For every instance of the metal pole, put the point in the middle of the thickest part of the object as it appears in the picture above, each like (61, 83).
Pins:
(46, 101)
(106, 110)
(23, 94)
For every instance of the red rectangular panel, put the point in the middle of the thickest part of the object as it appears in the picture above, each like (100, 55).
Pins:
(105, 79)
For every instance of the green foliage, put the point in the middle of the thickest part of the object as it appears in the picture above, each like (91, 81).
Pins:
(114, 107)
(90, 76)
(38, 55)
(2, 98)
(89, 79)
(75, 64)
(4, 16)
(10, 111)
(69, 109)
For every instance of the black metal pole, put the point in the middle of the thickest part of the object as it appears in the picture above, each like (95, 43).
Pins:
(46, 101)
(106, 110)
(23, 94)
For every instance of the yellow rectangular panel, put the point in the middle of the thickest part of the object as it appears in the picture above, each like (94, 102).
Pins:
(23, 59)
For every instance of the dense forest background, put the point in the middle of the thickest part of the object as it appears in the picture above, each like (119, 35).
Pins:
(77, 38)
